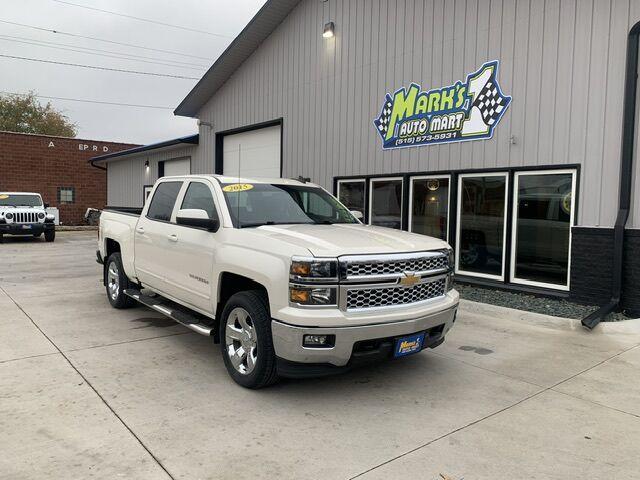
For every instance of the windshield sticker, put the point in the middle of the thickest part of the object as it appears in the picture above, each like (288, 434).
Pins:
(455, 113)
(237, 187)
(4, 197)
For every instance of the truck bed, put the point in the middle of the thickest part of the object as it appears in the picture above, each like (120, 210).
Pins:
(137, 211)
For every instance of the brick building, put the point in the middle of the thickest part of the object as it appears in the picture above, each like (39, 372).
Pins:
(58, 169)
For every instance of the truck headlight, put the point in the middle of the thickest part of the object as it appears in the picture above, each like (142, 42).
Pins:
(313, 296)
(9, 216)
(313, 269)
(451, 258)
(41, 215)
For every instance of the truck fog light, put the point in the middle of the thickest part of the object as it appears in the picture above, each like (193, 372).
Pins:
(319, 341)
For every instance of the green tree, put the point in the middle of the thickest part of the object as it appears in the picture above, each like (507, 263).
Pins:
(24, 114)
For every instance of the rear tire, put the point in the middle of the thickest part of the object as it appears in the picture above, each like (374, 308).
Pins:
(50, 235)
(246, 342)
(116, 282)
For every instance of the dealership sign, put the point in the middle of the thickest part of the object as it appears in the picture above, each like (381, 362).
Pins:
(455, 113)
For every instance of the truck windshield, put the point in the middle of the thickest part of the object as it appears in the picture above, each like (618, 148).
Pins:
(253, 205)
(21, 200)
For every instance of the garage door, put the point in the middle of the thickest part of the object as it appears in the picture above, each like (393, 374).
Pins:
(181, 166)
(255, 153)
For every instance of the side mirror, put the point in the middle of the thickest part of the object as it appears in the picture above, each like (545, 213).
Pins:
(46, 205)
(195, 217)
(357, 213)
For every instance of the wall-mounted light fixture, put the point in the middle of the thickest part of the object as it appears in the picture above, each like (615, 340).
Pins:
(329, 30)
(146, 164)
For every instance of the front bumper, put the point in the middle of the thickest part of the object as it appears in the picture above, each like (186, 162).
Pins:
(287, 339)
(25, 228)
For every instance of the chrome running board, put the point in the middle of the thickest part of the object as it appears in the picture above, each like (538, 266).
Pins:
(171, 310)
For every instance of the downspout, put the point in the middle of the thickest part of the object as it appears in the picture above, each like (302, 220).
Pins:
(626, 171)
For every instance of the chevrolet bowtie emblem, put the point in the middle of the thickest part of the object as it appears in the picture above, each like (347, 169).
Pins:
(409, 279)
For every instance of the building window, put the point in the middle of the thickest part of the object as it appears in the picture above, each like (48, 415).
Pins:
(385, 202)
(482, 200)
(351, 194)
(66, 195)
(429, 206)
(146, 191)
(543, 214)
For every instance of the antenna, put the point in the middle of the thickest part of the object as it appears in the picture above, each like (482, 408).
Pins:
(238, 196)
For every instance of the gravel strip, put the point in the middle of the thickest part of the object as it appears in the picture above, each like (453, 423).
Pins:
(530, 303)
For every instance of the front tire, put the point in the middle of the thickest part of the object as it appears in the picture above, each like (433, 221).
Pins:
(116, 282)
(50, 235)
(246, 342)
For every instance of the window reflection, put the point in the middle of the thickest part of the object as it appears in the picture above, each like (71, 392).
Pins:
(482, 226)
(351, 195)
(430, 206)
(386, 203)
(543, 225)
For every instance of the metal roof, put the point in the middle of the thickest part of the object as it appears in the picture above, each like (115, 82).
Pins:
(272, 13)
(190, 140)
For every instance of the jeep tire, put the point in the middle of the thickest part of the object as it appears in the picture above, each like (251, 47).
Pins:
(50, 235)
(116, 282)
(246, 342)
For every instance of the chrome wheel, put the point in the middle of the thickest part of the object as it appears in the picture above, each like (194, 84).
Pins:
(241, 341)
(113, 281)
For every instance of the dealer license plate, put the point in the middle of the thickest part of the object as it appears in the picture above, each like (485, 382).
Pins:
(409, 344)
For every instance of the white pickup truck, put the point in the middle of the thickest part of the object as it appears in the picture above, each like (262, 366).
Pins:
(283, 276)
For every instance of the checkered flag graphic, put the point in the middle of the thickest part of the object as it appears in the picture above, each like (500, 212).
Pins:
(490, 102)
(382, 122)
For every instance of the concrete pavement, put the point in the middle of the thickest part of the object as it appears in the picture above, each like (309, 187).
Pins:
(87, 391)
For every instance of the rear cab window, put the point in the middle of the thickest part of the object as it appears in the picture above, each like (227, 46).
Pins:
(163, 201)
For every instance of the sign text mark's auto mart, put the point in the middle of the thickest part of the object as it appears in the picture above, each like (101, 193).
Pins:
(459, 112)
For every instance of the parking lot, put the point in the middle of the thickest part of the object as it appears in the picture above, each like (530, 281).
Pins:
(87, 391)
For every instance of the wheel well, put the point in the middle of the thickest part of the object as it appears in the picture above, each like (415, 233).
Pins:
(111, 246)
(230, 284)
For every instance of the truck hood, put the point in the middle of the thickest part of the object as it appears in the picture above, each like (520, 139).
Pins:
(349, 239)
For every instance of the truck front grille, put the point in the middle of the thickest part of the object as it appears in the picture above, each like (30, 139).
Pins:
(376, 296)
(25, 217)
(382, 267)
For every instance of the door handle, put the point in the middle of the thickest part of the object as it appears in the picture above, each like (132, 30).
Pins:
(172, 238)
(140, 230)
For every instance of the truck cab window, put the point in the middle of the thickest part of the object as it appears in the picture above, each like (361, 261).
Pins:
(199, 196)
(163, 201)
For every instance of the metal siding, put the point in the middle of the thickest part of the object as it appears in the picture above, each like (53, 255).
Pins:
(561, 60)
(126, 177)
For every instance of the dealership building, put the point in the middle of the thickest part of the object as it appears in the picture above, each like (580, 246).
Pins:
(57, 169)
(507, 129)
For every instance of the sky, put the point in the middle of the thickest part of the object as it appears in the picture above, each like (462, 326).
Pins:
(208, 28)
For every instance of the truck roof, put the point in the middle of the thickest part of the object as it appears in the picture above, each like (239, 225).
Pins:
(234, 179)
(19, 193)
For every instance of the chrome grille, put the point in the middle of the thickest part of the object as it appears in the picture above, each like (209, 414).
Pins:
(393, 266)
(25, 217)
(359, 298)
